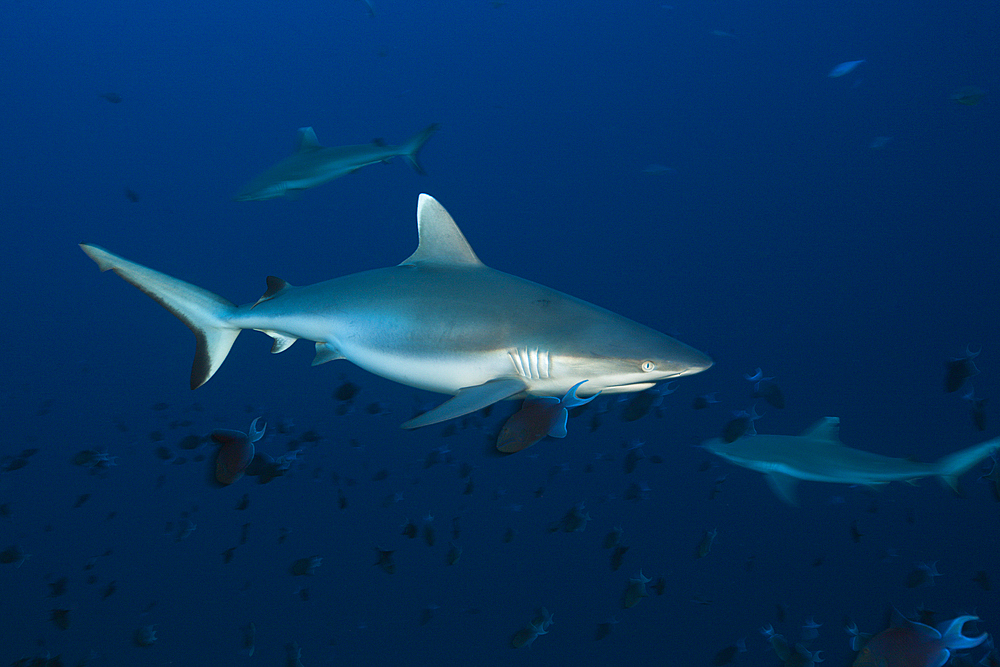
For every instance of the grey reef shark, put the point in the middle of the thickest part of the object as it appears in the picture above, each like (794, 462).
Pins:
(312, 164)
(818, 455)
(441, 321)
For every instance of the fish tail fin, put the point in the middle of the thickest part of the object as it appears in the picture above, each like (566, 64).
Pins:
(206, 314)
(415, 143)
(953, 466)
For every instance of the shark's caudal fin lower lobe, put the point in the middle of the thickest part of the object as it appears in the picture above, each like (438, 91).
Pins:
(415, 143)
(205, 313)
(951, 467)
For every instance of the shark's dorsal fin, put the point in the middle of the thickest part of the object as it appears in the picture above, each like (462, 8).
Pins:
(274, 287)
(307, 140)
(827, 428)
(441, 241)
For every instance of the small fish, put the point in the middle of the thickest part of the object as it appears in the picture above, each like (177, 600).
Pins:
(618, 557)
(235, 453)
(844, 68)
(60, 618)
(635, 591)
(574, 521)
(537, 418)
(305, 566)
(705, 545)
(604, 629)
(703, 401)
(385, 560)
(144, 636)
(249, 639)
(346, 391)
(914, 643)
(454, 554)
(922, 575)
(856, 533)
(960, 369)
(771, 393)
(114, 98)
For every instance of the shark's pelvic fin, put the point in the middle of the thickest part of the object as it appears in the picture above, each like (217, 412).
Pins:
(441, 241)
(326, 352)
(469, 400)
(784, 486)
(205, 313)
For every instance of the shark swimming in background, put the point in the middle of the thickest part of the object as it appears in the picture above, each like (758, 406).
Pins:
(441, 321)
(818, 455)
(311, 164)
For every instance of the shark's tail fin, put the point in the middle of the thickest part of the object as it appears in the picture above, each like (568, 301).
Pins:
(206, 314)
(415, 143)
(951, 467)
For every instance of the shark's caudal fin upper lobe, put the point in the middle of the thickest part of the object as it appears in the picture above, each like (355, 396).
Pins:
(415, 143)
(205, 313)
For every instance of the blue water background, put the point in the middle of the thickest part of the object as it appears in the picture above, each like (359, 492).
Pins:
(778, 238)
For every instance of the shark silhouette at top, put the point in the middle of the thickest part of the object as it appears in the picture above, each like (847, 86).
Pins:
(312, 164)
(818, 455)
(441, 321)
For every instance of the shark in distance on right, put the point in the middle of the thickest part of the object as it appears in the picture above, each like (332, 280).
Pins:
(818, 455)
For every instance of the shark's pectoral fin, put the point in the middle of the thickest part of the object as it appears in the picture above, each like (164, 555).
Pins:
(469, 399)
(784, 486)
(326, 352)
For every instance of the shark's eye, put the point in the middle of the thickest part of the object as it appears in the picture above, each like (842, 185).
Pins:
(648, 366)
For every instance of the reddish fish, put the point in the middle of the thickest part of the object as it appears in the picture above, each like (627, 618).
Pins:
(910, 644)
(236, 451)
(537, 418)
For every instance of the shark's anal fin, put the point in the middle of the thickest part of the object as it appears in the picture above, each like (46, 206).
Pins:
(469, 399)
(784, 486)
(324, 353)
(281, 341)
(275, 286)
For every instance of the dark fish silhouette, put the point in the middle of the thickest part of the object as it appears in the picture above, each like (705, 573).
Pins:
(771, 393)
(958, 370)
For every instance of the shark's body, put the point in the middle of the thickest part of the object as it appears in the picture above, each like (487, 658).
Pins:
(441, 321)
(311, 164)
(818, 455)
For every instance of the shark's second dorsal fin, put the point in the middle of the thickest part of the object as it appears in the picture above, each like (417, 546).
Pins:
(274, 287)
(307, 140)
(441, 241)
(827, 428)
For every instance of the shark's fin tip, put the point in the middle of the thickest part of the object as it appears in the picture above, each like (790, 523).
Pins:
(441, 241)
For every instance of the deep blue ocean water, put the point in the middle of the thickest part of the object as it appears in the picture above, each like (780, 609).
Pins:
(689, 165)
